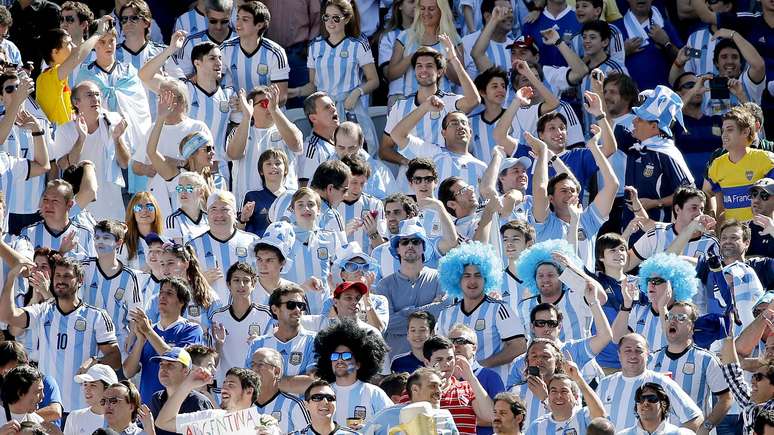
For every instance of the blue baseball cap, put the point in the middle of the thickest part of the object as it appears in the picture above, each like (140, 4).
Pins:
(176, 354)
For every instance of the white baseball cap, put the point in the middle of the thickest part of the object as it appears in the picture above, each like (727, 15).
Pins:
(98, 372)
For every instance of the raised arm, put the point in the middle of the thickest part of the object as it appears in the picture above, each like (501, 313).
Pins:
(237, 141)
(9, 312)
(539, 178)
(167, 419)
(88, 189)
(165, 167)
(704, 13)
(470, 97)
(749, 53)
(523, 99)
(550, 101)
(78, 54)
(482, 406)
(604, 199)
(478, 52)
(402, 130)
(604, 331)
(288, 131)
(40, 165)
(449, 239)
(595, 108)
(150, 73)
(400, 62)
(594, 403)
(578, 69)
(12, 110)
(630, 294)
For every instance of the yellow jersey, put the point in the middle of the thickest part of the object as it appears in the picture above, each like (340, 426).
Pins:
(53, 95)
(735, 179)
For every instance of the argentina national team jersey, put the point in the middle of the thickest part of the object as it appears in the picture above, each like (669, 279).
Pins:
(662, 235)
(23, 247)
(289, 411)
(546, 425)
(39, 234)
(66, 341)
(215, 253)
(359, 401)
(182, 228)
(496, 52)
(117, 294)
(535, 408)
(255, 322)
(192, 22)
(363, 205)
(527, 117)
(22, 193)
(482, 142)
(410, 85)
(703, 41)
(386, 44)
(317, 149)
(193, 312)
(138, 59)
(615, 49)
(696, 370)
(429, 128)
(646, 322)
(752, 91)
(577, 320)
(447, 163)
(579, 350)
(213, 109)
(266, 65)
(312, 254)
(339, 430)
(338, 67)
(493, 322)
(388, 418)
(298, 356)
(617, 394)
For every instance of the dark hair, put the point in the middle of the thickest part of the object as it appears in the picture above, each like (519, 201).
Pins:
(283, 290)
(316, 384)
(606, 241)
(416, 378)
(260, 14)
(348, 10)
(142, 10)
(350, 129)
(200, 50)
(595, 3)
(259, 246)
(17, 382)
(32, 428)
(201, 291)
(75, 266)
(745, 227)
(552, 344)
(198, 352)
(242, 267)
(269, 154)
(559, 178)
(764, 419)
(684, 194)
(133, 395)
(445, 120)
(409, 205)
(440, 61)
(545, 306)
(482, 80)
(627, 87)
(435, 343)
(330, 172)
(600, 426)
(515, 403)
(181, 288)
(420, 163)
(548, 117)
(662, 395)
(81, 10)
(423, 315)
(367, 347)
(6, 76)
(598, 26)
(12, 351)
(394, 384)
(247, 379)
(357, 165)
(50, 40)
(521, 226)
(445, 194)
(115, 228)
(722, 44)
(310, 103)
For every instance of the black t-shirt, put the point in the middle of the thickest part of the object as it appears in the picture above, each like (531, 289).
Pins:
(195, 401)
(760, 245)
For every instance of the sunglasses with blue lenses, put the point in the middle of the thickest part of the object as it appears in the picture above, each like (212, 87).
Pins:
(344, 356)
(138, 207)
(352, 267)
(185, 188)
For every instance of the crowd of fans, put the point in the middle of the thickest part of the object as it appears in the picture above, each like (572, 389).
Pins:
(400, 216)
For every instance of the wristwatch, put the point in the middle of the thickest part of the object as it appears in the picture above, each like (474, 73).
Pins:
(708, 425)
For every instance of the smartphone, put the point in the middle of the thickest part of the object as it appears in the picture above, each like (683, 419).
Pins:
(533, 371)
(693, 52)
(572, 280)
(719, 88)
(351, 117)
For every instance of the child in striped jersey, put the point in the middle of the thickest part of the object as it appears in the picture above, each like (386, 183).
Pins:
(189, 221)
(492, 85)
(363, 214)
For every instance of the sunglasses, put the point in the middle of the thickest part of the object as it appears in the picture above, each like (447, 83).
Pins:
(263, 103)
(138, 207)
(459, 341)
(650, 398)
(67, 19)
(540, 323)
(406, 242)
(680, 317)
(110, 400)
(463, 190)
(207, 149)
(656, 281)
(352, 267)
(180, 188)
(420, 180)
(687, 85)
(754, 194)
(11, 88)
(336, 18)
(130, 19)
(292, 305)
(344, 356)
(221, 22)
(757, 377)
(319, 397)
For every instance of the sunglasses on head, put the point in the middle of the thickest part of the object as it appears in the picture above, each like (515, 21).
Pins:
(656, 281)
(130, 19)
(184, 188)
(138, 207)
(756, 193)
(67, 19)
(459, 341)
(9, 89)
(680, 317)
(336, 18)
(319, 397)
(427, 179)
(650, 398)
(214, 21)
(352, 267)
(542, 323)
(344, 356)
(292, 305)
(406, 242)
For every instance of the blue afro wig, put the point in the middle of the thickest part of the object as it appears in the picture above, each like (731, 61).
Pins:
(476, 253)
(680, 273)
(540, 253)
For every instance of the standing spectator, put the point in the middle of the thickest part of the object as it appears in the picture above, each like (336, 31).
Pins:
(587, 11)
(273, 171)
(652, 405)
(77, 19)
(492, 85)
(499, 19)
(272, 255)
(217, 32)
(399, 18)
(93, 383)
(123, 407)
(194, 20)
(10, 49)
(31, 20)
(320, 110)
(346, 304)
(560, 16)
(189, 221)
(142, 219)
(286, 408)
(349, 141)
(363, 213)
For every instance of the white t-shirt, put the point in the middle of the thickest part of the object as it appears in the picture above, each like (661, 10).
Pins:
(83, 421)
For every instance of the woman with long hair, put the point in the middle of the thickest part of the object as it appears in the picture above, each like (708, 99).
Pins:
(337, 60)
(401, 19)
(189, 220)
(142, 218)
(432, 18)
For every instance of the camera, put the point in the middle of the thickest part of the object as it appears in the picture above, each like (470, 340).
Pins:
(719, 88)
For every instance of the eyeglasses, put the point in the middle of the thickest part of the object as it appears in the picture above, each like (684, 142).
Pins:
(420, 180)
(69, 19)
(180, 188)
(656, 281)
(336, 18)
(344, 356)
(542, 323)
(138, 207)
(221, 22)
(680, 317)
(130, 19)
(650, 398)
(757, 377)
(292, 305)
(111, 400)
(261, 364)
(263, 103)
(459, 341)
(320, 397)
(352, 267)
(406, 242)
(463, 190)
(10, 88)
(754, 194)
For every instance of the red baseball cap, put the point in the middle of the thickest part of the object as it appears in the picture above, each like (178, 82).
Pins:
(346, 285)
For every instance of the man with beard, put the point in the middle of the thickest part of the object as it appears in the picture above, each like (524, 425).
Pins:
(509, 412)
(695, 369)
(71, 333)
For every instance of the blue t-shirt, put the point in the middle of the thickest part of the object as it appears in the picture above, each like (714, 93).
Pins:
(655, 175)
(579, 160)
(567, 25)
(698, 143)
(406, 364)
(608, 358)
(51, 394)
(650, 67)
(259, 221)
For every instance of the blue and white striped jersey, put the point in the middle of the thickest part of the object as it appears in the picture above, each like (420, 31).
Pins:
(215, 253)
(662, 235)
(535, 408)
(747, 290)
(579, 350)
(244, 173)
(753, 91)
(615, 49)
(298, 355)
(288, 410)
(496, 52)
(359, 400)
(410, 85)
(590, 222)
(23, 247)
(617, 394)
(702, 40)
(577, 320)
(576, 424)
(338, 68)
(117, 294)
(317, 149)
(644, 321)
(331, 220)
(512, 290)
(266, 65)
(183, 56)
(429, 128)
(23, 195)
(339, 430)
(66, 341)
(138, 59)
(140, 260)
(39, 234)
(214, 110)
(389, 264)
(527, 117)
(312, 254)
(192, 22)
(363, 205)
(255, 322)
(482, 142)
(182, 228)
(493, 321)
(386, 44)
(696, 370)
(447, 163)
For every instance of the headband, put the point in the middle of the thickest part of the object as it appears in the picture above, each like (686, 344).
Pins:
(196, 141)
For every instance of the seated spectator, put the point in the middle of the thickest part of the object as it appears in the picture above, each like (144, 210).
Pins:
(421, 325)
(286, 408)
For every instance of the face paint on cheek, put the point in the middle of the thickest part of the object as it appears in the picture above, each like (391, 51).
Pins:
(104, 244)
